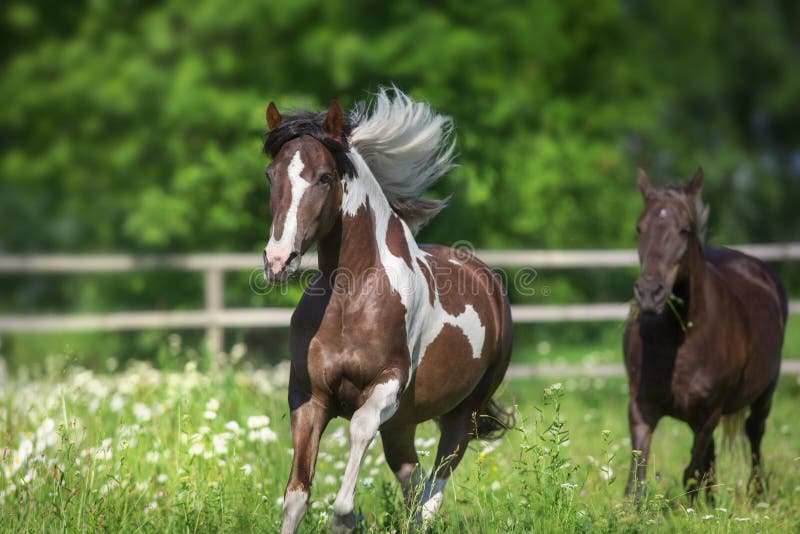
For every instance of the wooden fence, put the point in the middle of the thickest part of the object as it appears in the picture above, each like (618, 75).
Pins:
(214, 317)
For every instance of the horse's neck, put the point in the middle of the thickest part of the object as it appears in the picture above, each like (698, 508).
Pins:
(358, 240)
(694, 284)
(684, 311)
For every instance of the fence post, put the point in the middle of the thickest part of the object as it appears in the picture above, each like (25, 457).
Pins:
(214, 290)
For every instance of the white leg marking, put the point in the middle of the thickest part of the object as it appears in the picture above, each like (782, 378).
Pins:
(295, 503)
(379, 407)
(432, 498)
(278, 250)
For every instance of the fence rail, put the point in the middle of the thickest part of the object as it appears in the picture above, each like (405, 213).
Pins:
(214, 318)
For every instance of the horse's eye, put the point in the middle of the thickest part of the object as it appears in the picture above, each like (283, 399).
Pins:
(638, 229)
(326, 178)
(686, 230)
(267, 174)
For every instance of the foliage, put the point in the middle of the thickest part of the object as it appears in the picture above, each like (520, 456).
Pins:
(136, 126)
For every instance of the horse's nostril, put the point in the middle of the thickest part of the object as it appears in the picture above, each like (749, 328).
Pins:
(659, 290)
(292, 256)
(265, 257)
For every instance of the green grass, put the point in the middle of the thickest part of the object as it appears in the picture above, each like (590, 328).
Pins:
(151, 450)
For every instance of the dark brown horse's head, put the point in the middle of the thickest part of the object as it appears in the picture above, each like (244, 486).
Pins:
(673, 217)
(308, 161)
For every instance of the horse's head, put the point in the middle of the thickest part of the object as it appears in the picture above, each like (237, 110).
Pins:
(308, 161)
(672, 217)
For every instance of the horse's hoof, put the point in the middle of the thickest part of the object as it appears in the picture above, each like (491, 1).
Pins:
(343, 524)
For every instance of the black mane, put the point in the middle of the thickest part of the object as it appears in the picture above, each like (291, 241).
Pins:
(310, 123)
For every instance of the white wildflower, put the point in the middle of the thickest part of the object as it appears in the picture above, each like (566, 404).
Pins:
(257, 421)
(220, 443)
(196, 449)
(233, 426)
(27, 478)
(264, 435)
(25, 449)
(142, 412)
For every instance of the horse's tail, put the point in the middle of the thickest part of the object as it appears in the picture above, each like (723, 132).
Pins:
(732, 428)
(493, 421)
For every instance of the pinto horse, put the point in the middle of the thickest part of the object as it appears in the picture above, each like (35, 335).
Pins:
(391, 333)
(705, 338)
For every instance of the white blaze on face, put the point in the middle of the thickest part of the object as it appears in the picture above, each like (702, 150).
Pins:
(279, 249)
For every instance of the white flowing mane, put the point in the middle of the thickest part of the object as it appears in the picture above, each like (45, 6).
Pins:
(408, 147)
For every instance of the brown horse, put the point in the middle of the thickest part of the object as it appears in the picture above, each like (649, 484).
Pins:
(705, 337)
(391, 333)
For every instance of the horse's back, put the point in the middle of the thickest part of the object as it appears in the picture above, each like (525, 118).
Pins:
(762, 298)
(748, 277)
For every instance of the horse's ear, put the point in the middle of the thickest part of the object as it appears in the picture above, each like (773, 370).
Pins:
(334, 122)
(643, 182)
(273, 116)
(695, 185)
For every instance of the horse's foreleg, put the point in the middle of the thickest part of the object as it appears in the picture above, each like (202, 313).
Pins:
(308, 422)
(377, 409)
(641, 428)
(702, 449)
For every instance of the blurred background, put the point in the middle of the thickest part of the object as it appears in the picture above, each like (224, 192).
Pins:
(136, 127)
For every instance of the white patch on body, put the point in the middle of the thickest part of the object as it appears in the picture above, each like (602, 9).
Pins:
(294, 508)
(423, 321)
(282, 247)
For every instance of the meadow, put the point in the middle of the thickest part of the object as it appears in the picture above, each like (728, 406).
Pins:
(193, 444)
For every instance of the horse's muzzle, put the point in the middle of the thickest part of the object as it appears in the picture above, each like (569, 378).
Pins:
(278, 270)
(651, 295)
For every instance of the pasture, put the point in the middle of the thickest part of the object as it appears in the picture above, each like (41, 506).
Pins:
(203, 446)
